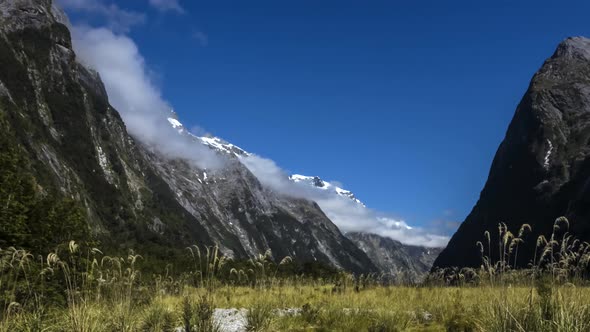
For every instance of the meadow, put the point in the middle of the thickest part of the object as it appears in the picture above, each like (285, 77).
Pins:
(78, 288)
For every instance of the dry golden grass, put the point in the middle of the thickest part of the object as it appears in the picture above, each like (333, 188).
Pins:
(105, 293)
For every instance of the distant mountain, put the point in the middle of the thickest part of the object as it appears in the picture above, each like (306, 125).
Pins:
(541, 170)
(389, 256)
(406, 263)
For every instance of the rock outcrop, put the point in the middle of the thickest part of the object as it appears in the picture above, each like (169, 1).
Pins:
(404, 263)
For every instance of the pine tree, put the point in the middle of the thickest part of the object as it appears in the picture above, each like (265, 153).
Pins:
(17, 190)
(29, 218)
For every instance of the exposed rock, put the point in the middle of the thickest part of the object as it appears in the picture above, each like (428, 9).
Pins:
(402, 262)
(541, 170)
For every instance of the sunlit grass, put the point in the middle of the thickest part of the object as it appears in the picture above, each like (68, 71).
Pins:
(103, 293)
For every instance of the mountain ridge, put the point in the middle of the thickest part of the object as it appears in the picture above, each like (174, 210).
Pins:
(132, 194)
(541, 169)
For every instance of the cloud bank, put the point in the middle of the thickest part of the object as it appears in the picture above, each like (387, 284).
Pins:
(347, 214)
(130, 90)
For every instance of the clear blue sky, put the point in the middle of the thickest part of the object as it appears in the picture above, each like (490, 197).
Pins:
(404, 102)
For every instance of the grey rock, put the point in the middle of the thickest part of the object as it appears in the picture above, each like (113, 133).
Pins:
(230, 320)
(4, 92)
(398, 261)
(18, 14)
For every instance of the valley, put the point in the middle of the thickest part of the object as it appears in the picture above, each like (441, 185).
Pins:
(115, 216)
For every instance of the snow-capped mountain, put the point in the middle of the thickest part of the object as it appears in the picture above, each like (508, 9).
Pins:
(389, 255)
(223, 146)
(215, 143)
(317, 182)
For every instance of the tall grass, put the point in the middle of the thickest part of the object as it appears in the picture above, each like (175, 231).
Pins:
(76, 288)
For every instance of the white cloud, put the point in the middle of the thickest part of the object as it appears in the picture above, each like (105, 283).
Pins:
(167, 5)
(130, 90)
(347, 214)
(117, 19)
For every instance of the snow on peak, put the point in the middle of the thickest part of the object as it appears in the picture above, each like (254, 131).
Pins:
(222, 146)
(318, 183)
(213, 142)
(175, 123)
(299, 178)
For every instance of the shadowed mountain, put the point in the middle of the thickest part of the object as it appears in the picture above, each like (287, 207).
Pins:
(541, 170)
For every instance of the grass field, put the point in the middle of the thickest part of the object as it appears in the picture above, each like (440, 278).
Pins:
(82, 290)
(392, 308)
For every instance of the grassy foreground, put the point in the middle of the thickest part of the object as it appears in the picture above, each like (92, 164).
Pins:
(377, 308)
(80, 289)
(399, 308)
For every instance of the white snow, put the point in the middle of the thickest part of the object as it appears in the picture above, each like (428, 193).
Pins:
(175, 123)
(297, 178)
(548, 155)
(222, 146)
(213, 142)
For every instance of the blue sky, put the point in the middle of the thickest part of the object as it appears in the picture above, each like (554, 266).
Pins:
(404, 103)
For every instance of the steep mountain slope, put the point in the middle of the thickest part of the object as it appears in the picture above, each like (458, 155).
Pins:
(390, 256)
(405, 262)
(542, 168)
(135, 196)
(250, 213)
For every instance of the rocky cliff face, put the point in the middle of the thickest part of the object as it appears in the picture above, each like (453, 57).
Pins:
(134, 196)
(542, 169)
(404, 262)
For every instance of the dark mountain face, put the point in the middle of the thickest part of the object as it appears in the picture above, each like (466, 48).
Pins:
(406, 263)
(78, 147)
(542, 169)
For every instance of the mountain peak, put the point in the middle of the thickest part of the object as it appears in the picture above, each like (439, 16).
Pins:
(316, 181)
(18, 14)
(573, 47)
(212, 142)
